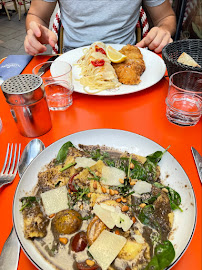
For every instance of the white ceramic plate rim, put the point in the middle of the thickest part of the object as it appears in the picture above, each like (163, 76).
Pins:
(155, 70)
(121, 140)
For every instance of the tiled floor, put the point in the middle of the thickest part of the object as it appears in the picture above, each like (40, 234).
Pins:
(12, 34)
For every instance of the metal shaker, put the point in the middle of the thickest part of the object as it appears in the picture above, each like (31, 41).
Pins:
(26, 96)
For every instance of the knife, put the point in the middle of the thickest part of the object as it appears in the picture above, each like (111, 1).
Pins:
(198, 162)
(46, 66)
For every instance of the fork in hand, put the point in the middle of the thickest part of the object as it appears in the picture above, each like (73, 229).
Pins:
(9, 170)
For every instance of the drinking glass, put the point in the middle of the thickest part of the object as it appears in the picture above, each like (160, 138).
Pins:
(58, 84)
(184, 99)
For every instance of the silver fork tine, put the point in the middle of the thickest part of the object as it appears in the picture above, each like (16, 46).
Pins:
(14, 158)
(9, 162)
(5, 162)
(18, 159)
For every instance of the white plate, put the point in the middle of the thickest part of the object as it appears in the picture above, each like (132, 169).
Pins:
(172, 174)
(155, 70)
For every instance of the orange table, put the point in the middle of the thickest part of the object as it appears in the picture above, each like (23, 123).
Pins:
(142, 113)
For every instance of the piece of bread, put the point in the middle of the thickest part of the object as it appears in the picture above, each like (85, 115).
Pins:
(186, 59)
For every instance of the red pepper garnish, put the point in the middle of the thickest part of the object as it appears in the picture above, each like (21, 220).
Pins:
(98, 49)
(98, 62)
(70, 184)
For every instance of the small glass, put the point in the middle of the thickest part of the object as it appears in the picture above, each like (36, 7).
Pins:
(184, 100)
(57, 83)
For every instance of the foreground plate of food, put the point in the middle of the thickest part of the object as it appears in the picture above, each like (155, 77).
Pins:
(104, 199)
(155, 70)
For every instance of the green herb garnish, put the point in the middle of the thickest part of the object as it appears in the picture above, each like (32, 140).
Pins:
(67, 166)
(97, 155)
(97, 178)
(124, 189)
(27, 202)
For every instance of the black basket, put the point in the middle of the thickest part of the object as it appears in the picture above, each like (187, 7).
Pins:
(172, 51)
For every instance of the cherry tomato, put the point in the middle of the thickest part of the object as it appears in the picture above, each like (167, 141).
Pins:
(98, 49)
(98, 62)
(84, 266)
(79, 242)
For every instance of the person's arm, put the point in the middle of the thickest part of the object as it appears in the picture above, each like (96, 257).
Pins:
(37, 23)
(164, 20)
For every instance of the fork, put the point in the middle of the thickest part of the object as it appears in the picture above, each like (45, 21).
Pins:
(10, 166)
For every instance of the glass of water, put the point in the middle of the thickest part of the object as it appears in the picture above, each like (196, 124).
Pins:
(58, 84)
(184, 99)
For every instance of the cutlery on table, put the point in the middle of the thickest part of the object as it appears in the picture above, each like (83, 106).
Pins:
(198, 162)
(10, 253)
(46, 66)
(9, 170)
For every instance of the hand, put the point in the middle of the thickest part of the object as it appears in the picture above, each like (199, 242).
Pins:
(156, 39)
(37, 35)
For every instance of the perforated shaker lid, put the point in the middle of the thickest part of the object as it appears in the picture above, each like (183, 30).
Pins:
(23, 89)
(21, 84)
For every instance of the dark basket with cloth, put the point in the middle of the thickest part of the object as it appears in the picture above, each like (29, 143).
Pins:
(172, 51)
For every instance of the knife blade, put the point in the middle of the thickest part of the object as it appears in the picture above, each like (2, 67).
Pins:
(46, 66)
(198, 162)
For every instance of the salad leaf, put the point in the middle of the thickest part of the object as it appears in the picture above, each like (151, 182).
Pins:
(174, 196)
(156, 156)
(175, 199)
(146, 214)
(97, 155)
(62, 154)
(163, 256)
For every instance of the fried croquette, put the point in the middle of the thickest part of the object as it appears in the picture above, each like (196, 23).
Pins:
(129, 71)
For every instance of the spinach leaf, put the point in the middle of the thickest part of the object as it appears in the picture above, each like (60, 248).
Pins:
(62, 154)
(175, 199)
(156, 156)
(146, 214)
(163, 256)
(147, 217)
(174, 196)
(151, 170)
(159, 185)
(153, 264)
(138, 172)
(152, 199)
(145, 172)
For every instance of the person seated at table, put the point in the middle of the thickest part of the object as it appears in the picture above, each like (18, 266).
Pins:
(110, 21)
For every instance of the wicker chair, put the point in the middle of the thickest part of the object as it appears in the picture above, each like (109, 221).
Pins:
(142, 28)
